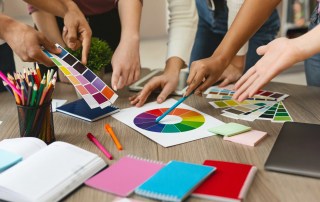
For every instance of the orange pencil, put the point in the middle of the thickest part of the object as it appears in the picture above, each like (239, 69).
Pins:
(38, 72)
(113, 136)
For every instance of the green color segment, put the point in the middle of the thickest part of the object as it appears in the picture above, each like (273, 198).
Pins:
(170, 129)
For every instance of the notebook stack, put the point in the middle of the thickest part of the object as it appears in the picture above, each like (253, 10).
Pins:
(174, 181)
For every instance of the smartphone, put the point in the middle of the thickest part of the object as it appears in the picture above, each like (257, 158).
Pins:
(181, 88)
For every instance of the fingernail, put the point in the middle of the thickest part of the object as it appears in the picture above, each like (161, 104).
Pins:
(160, 99)
(115, 88)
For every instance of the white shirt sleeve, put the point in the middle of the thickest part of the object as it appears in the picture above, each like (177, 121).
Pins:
(183, 20)
(234, 7)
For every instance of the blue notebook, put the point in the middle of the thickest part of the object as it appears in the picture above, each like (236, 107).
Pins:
(81, 110)
(8, 159)
(175, 181)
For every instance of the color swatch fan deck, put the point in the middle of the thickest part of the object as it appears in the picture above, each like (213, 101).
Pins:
(182, 125)
(93, 90)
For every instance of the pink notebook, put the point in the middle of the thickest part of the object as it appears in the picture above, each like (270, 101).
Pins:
(122, 177)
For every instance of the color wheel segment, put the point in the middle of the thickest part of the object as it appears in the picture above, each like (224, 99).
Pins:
(190, 120)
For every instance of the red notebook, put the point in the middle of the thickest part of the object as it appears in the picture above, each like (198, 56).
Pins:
(230, 182)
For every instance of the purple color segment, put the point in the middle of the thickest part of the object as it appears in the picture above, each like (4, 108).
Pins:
(100, 98)
(146, 116)
(80, 67)
(139, 120)
(145, 125)
(70, 59)
(99, 84)
(82, 80)
(157, 128)
(91, 88)
(73, 71)
(89, 75)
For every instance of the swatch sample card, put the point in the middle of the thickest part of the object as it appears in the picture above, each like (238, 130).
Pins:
(226, 93)
(229, 129)
(93, 90)
(175, 181)
(124, 176)
(250, 138)
(182, 125)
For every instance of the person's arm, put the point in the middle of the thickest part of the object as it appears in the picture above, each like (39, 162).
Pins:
(47, 24)
(25, 41)
(76, 31)
(126, 58)
(182, 28)
(278, 55)
(250, 18)
(235, 69)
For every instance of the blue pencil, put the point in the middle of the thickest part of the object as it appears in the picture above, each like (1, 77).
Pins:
(172, 108)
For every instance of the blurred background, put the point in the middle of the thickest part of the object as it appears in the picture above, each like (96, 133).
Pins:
(294, 14)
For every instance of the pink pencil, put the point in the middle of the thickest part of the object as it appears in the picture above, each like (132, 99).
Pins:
(10, 84)
(99, 145)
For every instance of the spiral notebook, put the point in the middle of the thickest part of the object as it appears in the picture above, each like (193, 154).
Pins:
(230, 182)
(122, 177)
(175, 181)
(81, 110)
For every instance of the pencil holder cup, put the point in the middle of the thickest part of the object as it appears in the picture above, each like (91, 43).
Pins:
(36, 121)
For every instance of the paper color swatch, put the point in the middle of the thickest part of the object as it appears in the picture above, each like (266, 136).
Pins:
(93, 90)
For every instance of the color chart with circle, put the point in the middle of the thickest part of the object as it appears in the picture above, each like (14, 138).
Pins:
(179, 120)
(93, 90)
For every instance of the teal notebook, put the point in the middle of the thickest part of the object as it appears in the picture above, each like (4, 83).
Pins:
(175, 181)
(8, 159)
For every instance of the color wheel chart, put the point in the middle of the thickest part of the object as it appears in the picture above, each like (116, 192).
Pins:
(93, 90)
(179, 120)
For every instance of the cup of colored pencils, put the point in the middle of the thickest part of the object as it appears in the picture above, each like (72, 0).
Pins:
(33, 96)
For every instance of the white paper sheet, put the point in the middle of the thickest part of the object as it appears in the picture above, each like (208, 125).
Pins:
(128, 115)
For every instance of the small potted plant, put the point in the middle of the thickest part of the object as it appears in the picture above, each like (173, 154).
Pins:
(99, 57)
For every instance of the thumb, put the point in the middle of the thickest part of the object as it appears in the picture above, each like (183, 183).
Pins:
(49, 46)
(224, 83)
(262, 50)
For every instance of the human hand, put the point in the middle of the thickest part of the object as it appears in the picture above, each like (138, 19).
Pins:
(278, 55)
(233, 72)
(126, 64)
(168, 82)
(77, 31)
(204, 73)
(26, 42)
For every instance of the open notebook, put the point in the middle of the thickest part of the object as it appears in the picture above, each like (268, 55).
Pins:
(46, 173)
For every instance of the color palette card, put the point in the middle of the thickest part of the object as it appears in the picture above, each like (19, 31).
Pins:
(234, 103)
(175, 181)
(277, 113)
(93, 90)
(230, 182)
(282, 114)
(182, 125)
(250, 138)
(124, 176)
(226, 93)
(229, 129)
(247, 112)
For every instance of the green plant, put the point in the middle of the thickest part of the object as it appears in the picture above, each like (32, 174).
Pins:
(100, 55)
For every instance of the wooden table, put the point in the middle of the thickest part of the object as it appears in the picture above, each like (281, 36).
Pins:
(303, 105)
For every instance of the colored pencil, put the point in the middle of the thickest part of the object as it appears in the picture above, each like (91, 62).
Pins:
(7, 87)
(38, 72)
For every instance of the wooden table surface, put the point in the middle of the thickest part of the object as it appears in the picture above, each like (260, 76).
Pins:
(303, 105)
